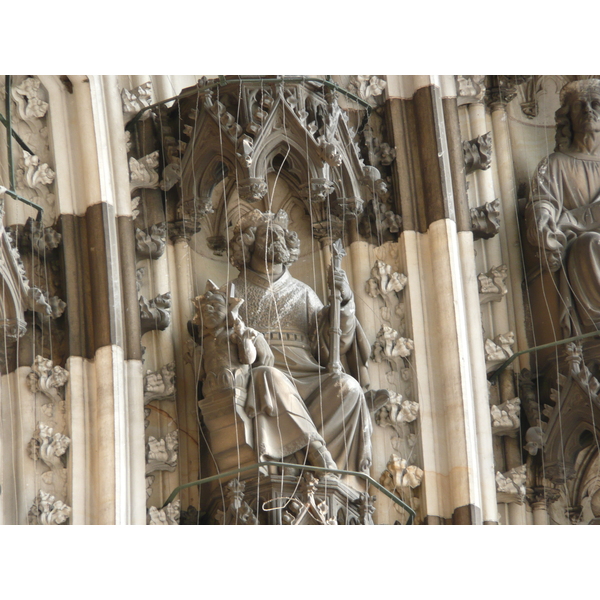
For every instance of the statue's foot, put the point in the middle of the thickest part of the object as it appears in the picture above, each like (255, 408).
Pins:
(319, 456)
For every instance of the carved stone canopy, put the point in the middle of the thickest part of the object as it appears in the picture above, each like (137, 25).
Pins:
(247, 130)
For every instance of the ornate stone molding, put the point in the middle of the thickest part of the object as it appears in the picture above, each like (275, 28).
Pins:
(485, 220)
(160, 385)
(491, 284)
(142, 172)
(161, 455)
(478, 153)
(135, 100)
(47, 510)
(47, 378)
(33, 236)
(169, 515)
(506, 417)
(151, 244)
(307, 509)
(154, 314)
(399, 475)
(238, 512)
(510, 486)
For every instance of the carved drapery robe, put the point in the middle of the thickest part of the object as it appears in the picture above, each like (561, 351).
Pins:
(567, 187)
(296, 326)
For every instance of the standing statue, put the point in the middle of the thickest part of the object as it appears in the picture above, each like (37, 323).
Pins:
(296, 402)
(563, 213)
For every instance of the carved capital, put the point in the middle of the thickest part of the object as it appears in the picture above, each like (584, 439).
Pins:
(318, 190)
(485, 220)
(470, 89)
(478, 153)
(502, 89)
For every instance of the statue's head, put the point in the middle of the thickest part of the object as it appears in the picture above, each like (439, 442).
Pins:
(215, 309)
(579, 111)
(265, 235)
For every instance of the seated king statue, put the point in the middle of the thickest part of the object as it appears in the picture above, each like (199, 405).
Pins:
(563, 213)
(298, 405)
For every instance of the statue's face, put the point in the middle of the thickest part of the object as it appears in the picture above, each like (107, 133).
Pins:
(270, 244)
(214, 312)
(585, 112)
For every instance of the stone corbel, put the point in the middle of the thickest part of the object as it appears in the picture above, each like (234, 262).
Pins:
(238, 512)
(47, 510)
(485, 220)
(27, 97)
(506, 417)
(400, 476)
(169, 515)
(154, 314)
(499, 350)
(161, 455)
(390, 347)
(478, 153)
(151, 244)
(135, 100)
(491, 284)
(510, 486)
(142, 172)
(47, 378)
(253, 189)
(160, 385)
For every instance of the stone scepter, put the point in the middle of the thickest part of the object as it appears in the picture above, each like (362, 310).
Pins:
(335, 364)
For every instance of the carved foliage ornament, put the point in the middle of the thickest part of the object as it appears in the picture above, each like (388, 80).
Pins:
(47, 510)
(47, 378)
(478, 153)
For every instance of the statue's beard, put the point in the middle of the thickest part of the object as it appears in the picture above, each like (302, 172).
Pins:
(274, 252)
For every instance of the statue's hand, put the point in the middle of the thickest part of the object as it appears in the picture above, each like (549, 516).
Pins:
(341, 284)
(264, 354)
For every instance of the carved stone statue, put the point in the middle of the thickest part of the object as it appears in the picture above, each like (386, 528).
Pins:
(563, 213)
(297, 404)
